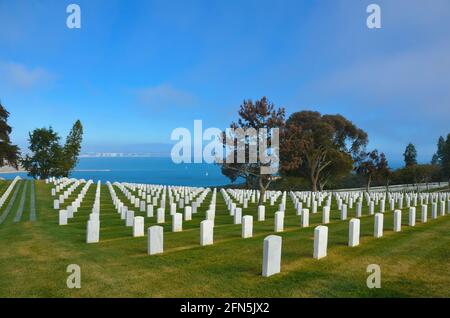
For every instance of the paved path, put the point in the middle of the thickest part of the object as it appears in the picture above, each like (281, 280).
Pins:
(22, 203)
(10, 204)
(32, 203)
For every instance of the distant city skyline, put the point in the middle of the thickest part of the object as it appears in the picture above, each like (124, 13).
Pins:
(137, 70)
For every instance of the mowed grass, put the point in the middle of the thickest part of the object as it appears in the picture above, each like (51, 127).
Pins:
(34, 255)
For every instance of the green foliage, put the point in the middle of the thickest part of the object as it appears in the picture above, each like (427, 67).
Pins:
(46, 154)
(48, 158)
(9, 153)
(410, 155)
(442, 156)
(417, 174)
(72, 148)
(257, 115)
(373, 166)
(320, 148)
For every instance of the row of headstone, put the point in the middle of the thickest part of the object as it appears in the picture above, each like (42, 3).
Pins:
(5, 195)
(272, 243)
(93, 224)
(71, 209)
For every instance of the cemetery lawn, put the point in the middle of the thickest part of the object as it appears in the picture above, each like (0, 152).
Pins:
(34, 255)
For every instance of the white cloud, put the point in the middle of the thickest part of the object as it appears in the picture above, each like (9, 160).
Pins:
(165, 96)
(416, 79)
(20, 76)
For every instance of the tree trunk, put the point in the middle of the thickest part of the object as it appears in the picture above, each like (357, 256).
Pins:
(262, 191)
(313, 182)
(369, 179)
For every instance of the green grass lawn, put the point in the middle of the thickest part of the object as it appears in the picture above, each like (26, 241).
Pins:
(34, 255)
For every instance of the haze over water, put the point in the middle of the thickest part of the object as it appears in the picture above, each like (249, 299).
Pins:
(145, 170)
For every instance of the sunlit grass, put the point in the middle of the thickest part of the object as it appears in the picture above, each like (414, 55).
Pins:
(34, 256)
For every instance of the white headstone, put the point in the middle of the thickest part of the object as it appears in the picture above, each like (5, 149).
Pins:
(160, 215)
(382, 205)
(62, 217)
(271, 255)
(434, 210)
(155, 240)
(371, 207)
(326, 215)
(247, 226)
(130, 218)
(320, 241)
(56, 204)
(206, 232)
(344, 212)
(279, 221)
(378, 226)
(397, 220)
(177, 222)
(305, 218)
(358, 209)
(412, 216)
(210, 215)
(237, 216)
(93, 231)
(187, 213)
(149, 210)
(70, 211)
(424, 215)
(173, 208)
(353, 233)
(138, 226)
(314, 207)
(261, 213)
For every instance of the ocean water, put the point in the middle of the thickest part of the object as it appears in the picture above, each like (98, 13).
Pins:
(145, 170)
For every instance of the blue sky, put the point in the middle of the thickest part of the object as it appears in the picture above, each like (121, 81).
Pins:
(138, 69)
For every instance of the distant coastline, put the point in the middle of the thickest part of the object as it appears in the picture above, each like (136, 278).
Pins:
(122, 155)
(9, 169)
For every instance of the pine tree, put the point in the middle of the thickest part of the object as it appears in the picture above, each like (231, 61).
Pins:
(72, 148)
(9, 153)
(410, 155)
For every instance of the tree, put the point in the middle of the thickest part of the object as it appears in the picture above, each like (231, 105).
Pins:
(416, 174)
(367, 166)
(341, 165)
(439, 155)
(442, 156)
(318, 139)
(384, 174)
(46, 154)
(72, 149)
(410, 155)
(253, 116)
(9, 153)
(48, 158)
(445, 161)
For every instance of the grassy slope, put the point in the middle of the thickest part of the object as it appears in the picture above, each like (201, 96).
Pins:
(34, 256)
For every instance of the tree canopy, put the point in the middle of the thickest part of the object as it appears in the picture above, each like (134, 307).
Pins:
(321, 147)
(373, 166)
(253, 116)
(410, 155)
(9, 153)
(48, 158)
